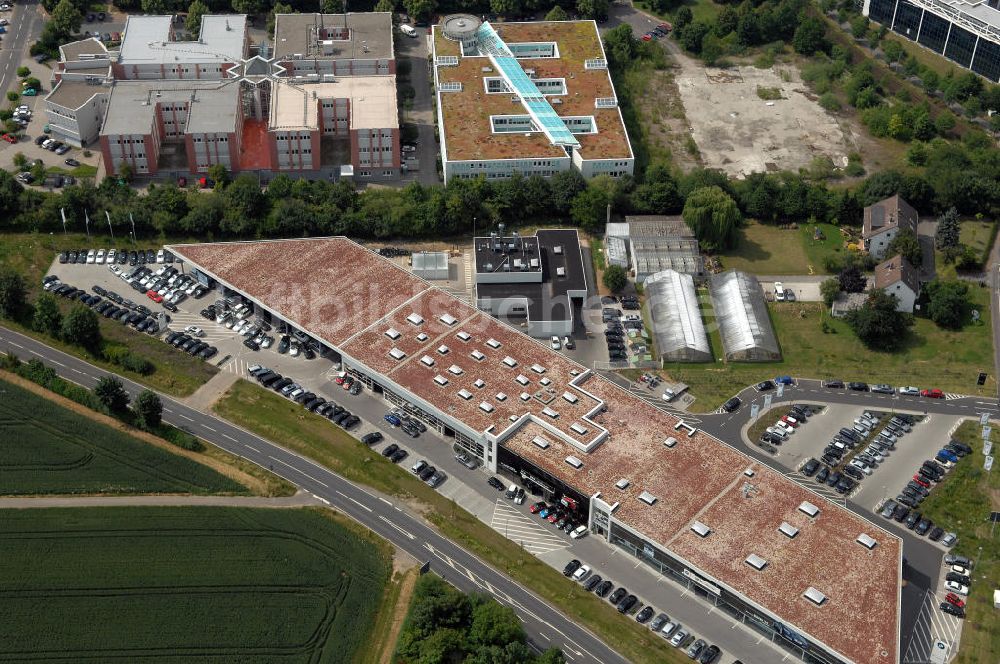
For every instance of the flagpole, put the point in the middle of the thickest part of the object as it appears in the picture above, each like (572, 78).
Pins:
(108, 215)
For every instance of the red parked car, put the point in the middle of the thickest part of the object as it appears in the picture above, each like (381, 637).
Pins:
(954, 600)
(919, 479)
(537, 507)
(791, 421)
(666, 27)
(154, 296)
(934, 393)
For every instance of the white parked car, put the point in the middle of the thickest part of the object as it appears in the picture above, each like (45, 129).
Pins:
(556, 345)
(582, 573)
(784, 426)
(958, 569)
(862, 466)
(194, 330)
(578, 532)
(110, 256)
(780, 433)
(956, 588)
(294, 350)
(779, 291)
(912, 391)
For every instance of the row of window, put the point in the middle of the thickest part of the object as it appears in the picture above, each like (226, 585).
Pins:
(368, 174)
(210, 139)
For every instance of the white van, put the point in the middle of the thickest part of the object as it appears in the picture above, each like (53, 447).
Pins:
(578, 532)
(408, 30)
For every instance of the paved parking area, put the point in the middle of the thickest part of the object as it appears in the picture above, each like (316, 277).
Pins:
(814, 434)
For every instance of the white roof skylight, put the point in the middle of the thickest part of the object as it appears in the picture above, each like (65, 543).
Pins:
(537, 368)
(647, 498)
(570, 397)
(814, 596)
(428, 360)
(463, 335)
(397, 354)
(392, 333)
(465, 394)
(510, 361)
(443, 349)
(573, 461)
(808, 508)
(545, 381)
(551, 413)
(540, 442)
(788, 529)
(866, 541)
(501, 396)
(440, 380)
(522, 379)
(578, 428)
(756, 561)
(415, 318)
(486, 407)
(480, 383)
(422, 337)
(477, 355)
(701, 529)
(493, 343)
(525, 396)
(670, 441)
(622, 483)
(455, 369)
(447, 319)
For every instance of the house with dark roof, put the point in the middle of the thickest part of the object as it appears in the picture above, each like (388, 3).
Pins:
(898, 277)
(884, 220)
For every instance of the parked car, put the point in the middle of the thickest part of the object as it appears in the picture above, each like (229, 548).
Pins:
(932, 393)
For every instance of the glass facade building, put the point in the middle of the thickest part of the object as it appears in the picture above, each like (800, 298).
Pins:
(966, 34)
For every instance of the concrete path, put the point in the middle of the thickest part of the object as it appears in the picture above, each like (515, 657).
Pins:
(300, 499)
(209, 393)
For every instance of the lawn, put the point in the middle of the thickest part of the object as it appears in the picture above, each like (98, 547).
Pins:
(976, 234)
(700, 9)
(48, 449)
(962, 503)
(279, 419)
(175, 373)
(206, 584)
(933, 357)
(769, 250)
(81, 171)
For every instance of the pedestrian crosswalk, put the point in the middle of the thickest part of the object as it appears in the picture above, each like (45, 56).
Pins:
(949, 396)
(535, 536)
(932, 624)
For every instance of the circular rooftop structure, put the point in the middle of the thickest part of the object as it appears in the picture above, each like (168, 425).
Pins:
(460, 27)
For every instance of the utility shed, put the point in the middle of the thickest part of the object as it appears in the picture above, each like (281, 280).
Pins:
(744, 322)
(431, 265)
(677, 325)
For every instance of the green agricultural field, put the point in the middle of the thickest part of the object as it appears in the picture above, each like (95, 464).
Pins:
(48, 449)
(933, 357)
(198, 584)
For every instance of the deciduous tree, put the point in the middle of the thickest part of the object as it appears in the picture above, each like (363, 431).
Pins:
(149, 408)
(851, 280)
(907, 244)
(615, 278)
(47, 317)
(949, 303)
(829, 289)
(878, 324)
(112, 394)
(713, 216)
(12, 292)
(80, 327)
(196, 10)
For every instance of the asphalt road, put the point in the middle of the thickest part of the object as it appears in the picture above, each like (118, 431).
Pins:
(545, 625)
(24, 29)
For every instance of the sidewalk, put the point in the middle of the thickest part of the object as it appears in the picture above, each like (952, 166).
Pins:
(206, 395)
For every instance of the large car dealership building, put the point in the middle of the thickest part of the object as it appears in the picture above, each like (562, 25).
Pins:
(819, 580)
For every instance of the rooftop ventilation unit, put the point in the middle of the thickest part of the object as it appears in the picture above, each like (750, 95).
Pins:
(443, 349)
(550, 413)
(866, 541)
(486, 407)
(501, 396)
(540, 442)
(510, 361)
(647, 498)
(448, 319)
(573, 461)
(440, 380)
(570, 397)
(493, 343)
(477, 355)
(622, 484)
(557, 249)
(414, 318)
(427, 360)
(788, 529)
(397, 354)
(578, 428)
(392, 333)
(545, 381)
(464, 336)
(701, 529)
(748, 472)
(522, 379)
(455, 369)
(670, 442)
(422, 337)
(480, 383)
(465, 394)
(537, 368)
(756, 561)
(560, 272)
(808, 508)
(525, 396)
(814, 596)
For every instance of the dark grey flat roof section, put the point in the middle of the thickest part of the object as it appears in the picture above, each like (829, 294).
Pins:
(546, 290)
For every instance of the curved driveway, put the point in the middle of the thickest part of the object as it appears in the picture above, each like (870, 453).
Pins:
(546, 626)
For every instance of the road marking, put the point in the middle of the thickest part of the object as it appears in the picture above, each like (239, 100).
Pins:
(16, 345)
(284, 463)
(407, 534)
(230, 438)
(185, 417)
(254, 449)
(368, 509)
(385, 501)
(209, 428)
(321, 499)
(59, 364)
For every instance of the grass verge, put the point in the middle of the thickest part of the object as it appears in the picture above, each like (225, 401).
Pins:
(962, 503)
(276, 418)
(932, 356)
(395, 606)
